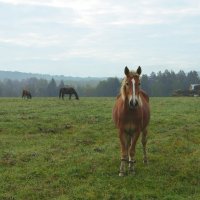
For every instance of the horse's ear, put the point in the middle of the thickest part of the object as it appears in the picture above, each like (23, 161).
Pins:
(126, 71)
(139, 70)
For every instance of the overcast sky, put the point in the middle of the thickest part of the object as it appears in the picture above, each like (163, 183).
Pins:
(99, 38)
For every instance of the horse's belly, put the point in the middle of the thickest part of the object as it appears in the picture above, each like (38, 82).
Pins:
(129, 128)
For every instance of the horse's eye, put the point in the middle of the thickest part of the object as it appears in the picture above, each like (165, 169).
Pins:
(127, 83)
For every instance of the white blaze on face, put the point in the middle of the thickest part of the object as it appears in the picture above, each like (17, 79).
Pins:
(133, 95)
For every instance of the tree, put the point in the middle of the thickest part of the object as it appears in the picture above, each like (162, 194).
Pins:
(9, 89)
(61, 85)
(1, 88)
(109, 87)
(52, 88)
(181, 81)
(160, 84)
(41, 87)
(192, 78)
(145, 84)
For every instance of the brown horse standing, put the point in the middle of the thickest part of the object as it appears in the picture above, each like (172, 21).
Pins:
(131, 115)
(26, 93)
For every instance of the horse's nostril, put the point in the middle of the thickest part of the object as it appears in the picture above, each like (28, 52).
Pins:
(131, 103)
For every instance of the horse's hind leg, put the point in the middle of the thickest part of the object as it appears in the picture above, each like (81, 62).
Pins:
(144, 142)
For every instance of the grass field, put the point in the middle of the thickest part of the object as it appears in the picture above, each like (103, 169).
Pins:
(54, 149)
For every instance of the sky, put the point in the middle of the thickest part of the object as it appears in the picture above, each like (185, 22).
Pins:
(96, 38)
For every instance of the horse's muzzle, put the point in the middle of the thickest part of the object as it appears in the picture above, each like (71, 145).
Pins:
(133, 104)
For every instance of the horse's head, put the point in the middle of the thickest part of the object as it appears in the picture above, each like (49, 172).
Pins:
(131, 87)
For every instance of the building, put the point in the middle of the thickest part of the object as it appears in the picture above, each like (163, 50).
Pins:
(194, 86)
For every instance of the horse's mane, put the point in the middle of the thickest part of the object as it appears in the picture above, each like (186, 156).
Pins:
(144, 94)
(133, 73)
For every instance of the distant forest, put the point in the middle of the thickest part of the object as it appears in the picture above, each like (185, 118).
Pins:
(156, 84)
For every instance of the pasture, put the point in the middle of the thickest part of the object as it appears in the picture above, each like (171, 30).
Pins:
(55, 149)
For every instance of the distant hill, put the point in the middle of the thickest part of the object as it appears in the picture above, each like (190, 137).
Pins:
(67, 79)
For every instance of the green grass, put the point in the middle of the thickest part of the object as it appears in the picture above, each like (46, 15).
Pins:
(54, 149)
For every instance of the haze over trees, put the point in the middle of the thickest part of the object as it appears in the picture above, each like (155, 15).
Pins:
(156, 84)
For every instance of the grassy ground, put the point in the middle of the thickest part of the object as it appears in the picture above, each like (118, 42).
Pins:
(54, 149)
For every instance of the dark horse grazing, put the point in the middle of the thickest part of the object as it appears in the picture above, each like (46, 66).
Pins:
(131, 115)
(68, 90)
(26, 94)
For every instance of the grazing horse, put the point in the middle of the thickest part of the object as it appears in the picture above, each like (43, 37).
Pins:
(68, 90)
(26, 94)
(131, 115)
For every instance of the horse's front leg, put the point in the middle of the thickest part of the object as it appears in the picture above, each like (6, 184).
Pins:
(124, 152)
(134, 139)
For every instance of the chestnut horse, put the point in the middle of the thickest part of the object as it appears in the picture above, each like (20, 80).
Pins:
(131, 115)
(27, 94)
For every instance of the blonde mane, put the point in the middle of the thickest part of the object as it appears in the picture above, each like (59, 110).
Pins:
(133, 73)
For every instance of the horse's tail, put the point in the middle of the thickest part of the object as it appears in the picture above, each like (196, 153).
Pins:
(60, 92)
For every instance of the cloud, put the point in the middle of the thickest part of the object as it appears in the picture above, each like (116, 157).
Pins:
(31, 39)
(94, 12)
(97, 32)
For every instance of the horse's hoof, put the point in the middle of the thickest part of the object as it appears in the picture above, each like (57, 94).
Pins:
(121, 174)
(132, 172)
(146, 162)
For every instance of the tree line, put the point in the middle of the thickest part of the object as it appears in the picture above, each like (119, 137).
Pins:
(160, 84)
(165, 83)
